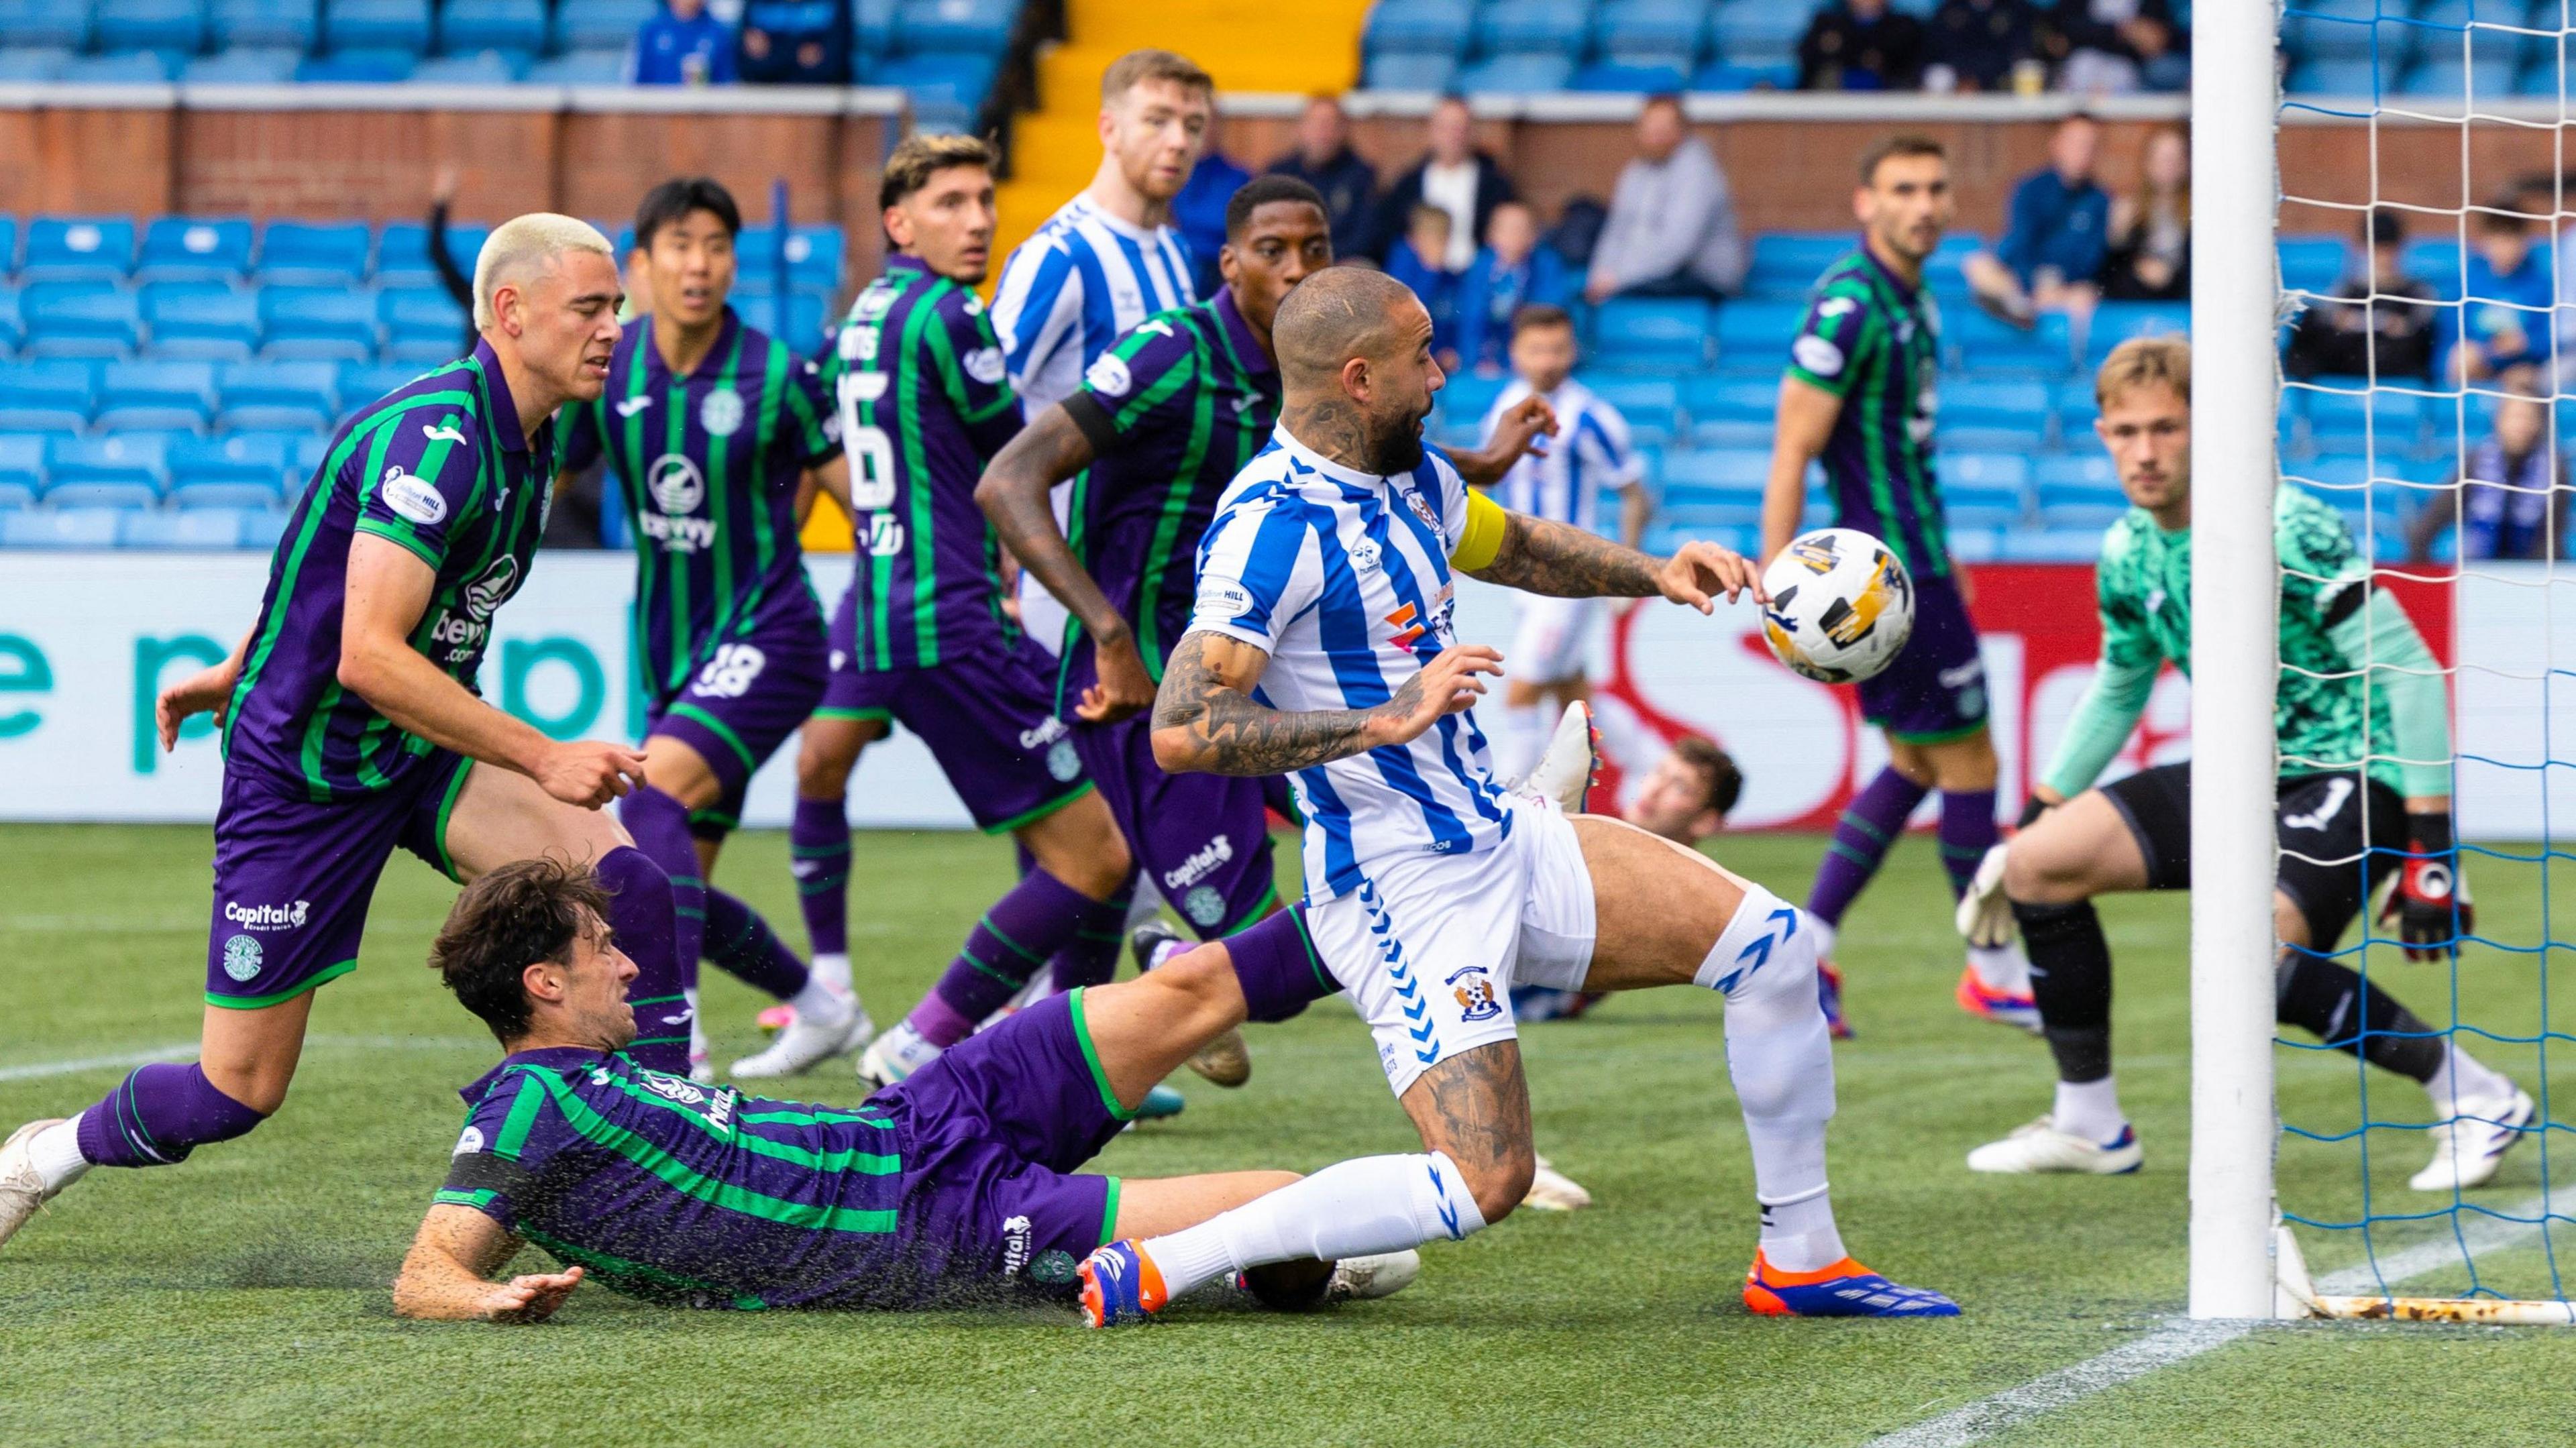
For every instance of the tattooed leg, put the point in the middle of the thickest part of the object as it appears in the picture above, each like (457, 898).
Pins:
(1474, 1109)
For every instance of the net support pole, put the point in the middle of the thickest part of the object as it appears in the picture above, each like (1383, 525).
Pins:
(2235, 599)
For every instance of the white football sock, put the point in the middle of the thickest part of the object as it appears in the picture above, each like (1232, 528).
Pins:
(1353, 1208)
(1524, 739)
(820, 1003)
(2001, 968)
(2089, 1109)
(834, 971)
(1782, 1062)
(57, 1155)
(1145, 904)
(699, 1048)
(2463, 1077)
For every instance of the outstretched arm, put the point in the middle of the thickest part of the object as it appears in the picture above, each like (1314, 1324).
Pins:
(1538, 555)
(1014, 494)
(446, 1275)
(1207, 722)
(209, 690)
(1514, 433)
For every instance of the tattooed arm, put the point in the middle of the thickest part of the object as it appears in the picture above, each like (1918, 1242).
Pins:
(1563, 561)
(1207, 722)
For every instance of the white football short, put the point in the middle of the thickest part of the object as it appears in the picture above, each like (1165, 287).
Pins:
(1429, 947)
(1553, 643)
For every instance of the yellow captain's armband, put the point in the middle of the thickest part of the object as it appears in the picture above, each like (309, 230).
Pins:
(1484, 536)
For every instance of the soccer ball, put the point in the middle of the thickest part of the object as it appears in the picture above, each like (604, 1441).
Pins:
(1841, 606)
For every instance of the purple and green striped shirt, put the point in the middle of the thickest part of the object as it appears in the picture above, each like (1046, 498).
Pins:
(708, 466)
(1874, 341)
(440, 467)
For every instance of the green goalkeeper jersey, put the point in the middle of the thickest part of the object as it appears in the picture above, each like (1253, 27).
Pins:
(2326, 718)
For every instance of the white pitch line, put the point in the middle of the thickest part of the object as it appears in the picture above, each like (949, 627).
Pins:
(2181, 1339)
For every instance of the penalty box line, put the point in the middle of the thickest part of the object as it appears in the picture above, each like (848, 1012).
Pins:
(2182, 1339)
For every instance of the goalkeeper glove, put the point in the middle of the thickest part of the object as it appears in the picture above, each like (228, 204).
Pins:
(1985, 917)
(2430, 902)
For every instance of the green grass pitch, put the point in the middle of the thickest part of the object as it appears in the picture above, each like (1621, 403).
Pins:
(242, 1297)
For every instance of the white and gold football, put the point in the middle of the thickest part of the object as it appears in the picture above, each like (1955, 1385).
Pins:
(1841, 606)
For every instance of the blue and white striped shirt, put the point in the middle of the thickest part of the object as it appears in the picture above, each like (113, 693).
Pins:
(1077, 283)
(1590, 452)
(1343, 578)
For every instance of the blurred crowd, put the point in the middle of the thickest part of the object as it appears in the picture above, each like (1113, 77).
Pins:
(2089, 47)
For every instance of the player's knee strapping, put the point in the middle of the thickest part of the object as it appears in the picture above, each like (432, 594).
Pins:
(640, 912)
(2330, 1001)
(157, 1115)
(2070, 978)
(1276, 964)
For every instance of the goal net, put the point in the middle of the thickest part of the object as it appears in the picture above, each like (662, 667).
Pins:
(2428, 359)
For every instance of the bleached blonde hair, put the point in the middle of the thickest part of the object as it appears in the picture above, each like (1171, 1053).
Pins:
(526, 246)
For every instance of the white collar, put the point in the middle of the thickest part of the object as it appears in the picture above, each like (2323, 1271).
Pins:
(1118, 224)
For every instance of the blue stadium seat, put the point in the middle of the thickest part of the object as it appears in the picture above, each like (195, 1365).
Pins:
(1979, 343)
(421, 324)
(2341, 77)
(1706, 472)
(2313, 263)
(157, 396)
(377, 25)
(47, 395)
(279, 396)
(467, 26)
(126, 471)
(191, 321)
(318, 324)
(247, 470)
(13, 323)
(1667, 334)
(80, 319)
(1625, 79)
(1736, 398)
(173, 25)
(940, 79)
(1518, 74)
(277, 24)
(1395, 27)
(1650, 32)
(2343, 29)
(78, 249)
(1987, 402)
(243, 65)
(872, 22)
(311, 253)
(1530, 27)
(45, 24)
(967, 26)
(194, 249)
(2446, 84)
(362, 383)
(1647, 403)
(124, 67)
(32, 65)
(483, 67)
(1469, 396)
(2117, 322)
(22, 469)
(599, 24)
(1404, 71)
(1760, 330)
(1986, 477)
(2089, 470)
(358, 67)
(1787, 263)
(199, 529)
(580, 67)
(1758, 32)
(59, 528)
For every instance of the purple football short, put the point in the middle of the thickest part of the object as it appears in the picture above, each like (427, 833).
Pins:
(293, 877)
(743, 701)
(1203, 839)
(994, 1130)
(1936, 689)
(986, 718)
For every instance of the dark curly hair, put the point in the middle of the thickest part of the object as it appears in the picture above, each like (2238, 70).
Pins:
(510, 919)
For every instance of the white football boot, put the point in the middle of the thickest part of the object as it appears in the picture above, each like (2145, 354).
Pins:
(896, 1054)
(808, 1042)
(1564, 770)
(1380, 1274)
(22, 1187)
(2041, 1147)
(2466, 1149)
(1551, 1190)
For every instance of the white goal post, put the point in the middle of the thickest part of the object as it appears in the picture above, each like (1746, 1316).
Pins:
(2235, 598)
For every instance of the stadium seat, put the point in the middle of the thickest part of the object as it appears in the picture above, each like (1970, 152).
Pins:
(1988, 477)
(22, 469)
(1786, 264)
(483, 67)
(1668, 334)
(422, 325)
(284, 396)
(170, 25)
(1520, 74)
(1626, 79)
(247, 470)
(1707, 472)
(941, 80)
(56, 25)
(2089, 470)
(276, 24)
(1650, 32)
(313, 254)
(194, 249)
(59, 528)
(467, 26)
(2313, 263)
(599, 24)
(78, 249)
(2117, 322)
(32, 65)
(127, 471)
(199, 528)
(1395, 27)
(243, 65)
(1470, 396)
(1401, 71)
(1647, 403)
(872, 22)
(358, 67)
(1978, 343)
(972, 27)
(1530, 27)
(1990, 402)
(318, 324)
(157, 396)
(362, 383)
(580, 67)
(1758, 330)
(1712, 397)
(376, 25)
(2344, 29)
(124, 67)
(47, 395)
(1757, 32)
(2447, 84)
(13, 323)
(80, 319)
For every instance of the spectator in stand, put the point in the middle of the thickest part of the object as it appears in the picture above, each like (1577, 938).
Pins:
(2110, 47)
(1671, 230)
(2380, 310)
(1977, 45)
(795, 42)
(2501, 332)
(2511, 494)
(2150, 255)
(1511, 272)
(2054, 234)
(681, 44)
(1417, 261)
(1324, 160)
(1198, 212)
(1861, 45)
(1456, 177)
